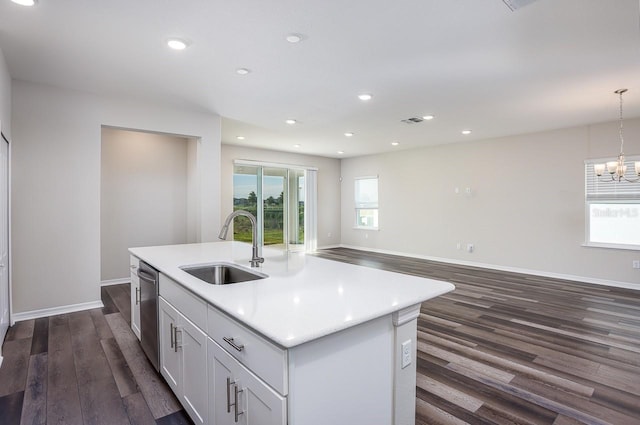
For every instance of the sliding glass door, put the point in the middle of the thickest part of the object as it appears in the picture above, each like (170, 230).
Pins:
(276, 196)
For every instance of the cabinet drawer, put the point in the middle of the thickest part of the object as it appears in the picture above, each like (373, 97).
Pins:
(262, 357)
(184, 301)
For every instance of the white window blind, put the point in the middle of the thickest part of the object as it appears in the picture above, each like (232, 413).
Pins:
(366, 192)
(612, 209)
(604, 188)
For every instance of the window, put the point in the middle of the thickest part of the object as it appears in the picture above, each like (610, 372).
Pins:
(282, 198)
(366, 197)
(612, 210)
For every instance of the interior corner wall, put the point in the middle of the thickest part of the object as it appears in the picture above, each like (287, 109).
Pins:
(5, 97)
(328, 185)
(525, 210)
(143, 196)
(56, 186)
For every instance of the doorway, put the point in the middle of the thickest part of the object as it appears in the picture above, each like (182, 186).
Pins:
(146, 193)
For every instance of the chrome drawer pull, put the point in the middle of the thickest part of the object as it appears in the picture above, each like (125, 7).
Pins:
(233, 344)
(171, 334)
(137, 296)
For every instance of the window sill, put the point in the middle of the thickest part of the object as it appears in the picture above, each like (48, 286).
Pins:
(611, 246)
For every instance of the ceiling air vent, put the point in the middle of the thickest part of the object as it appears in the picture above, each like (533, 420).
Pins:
(517, 4)
(412, 120)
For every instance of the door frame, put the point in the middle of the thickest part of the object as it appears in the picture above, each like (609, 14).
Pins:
(11, 321)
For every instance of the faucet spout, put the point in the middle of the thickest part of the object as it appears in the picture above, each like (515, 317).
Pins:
(256, 260)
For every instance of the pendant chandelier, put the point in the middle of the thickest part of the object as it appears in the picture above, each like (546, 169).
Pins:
(617, 169)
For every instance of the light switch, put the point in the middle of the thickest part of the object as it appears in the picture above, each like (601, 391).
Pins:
(406, 353)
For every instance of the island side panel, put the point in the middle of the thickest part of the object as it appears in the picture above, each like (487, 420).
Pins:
(405, 322)
(345, 377)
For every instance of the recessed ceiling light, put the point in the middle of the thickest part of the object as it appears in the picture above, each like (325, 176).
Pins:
(349, 134)
(296, 145)
(294, 38)
(242, 71)
(340, 152)
(177, 44)
(240, 137)
(465, 132)
(394, 143)
(365, 96)
(428, 117)
(291, 121)
(25, 2)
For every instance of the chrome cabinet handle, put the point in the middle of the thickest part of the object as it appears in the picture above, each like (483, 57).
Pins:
(137, 296)
(235, 402)
(229, 394)
(175, 338)
(230, 341)
(171, 334)
(236, 413)
(132, 267)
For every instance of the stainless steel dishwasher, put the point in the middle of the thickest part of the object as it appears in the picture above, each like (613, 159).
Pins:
(149, 312)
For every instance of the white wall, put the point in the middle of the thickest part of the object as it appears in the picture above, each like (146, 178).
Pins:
(525, 211)
(143, 195)
(56, 186)
(328, 185)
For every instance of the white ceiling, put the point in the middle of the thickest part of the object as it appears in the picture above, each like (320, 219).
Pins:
(472, 63)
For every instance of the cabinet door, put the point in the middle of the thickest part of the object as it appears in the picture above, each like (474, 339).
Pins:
(169, 353)
(220, 369)
(135, 297)
(193, 348)
(254, 404)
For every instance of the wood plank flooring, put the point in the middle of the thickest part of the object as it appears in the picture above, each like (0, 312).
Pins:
(503, 348)
(507, 348)
(83, 368)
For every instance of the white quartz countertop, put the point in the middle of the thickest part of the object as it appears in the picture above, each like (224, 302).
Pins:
(304, 297)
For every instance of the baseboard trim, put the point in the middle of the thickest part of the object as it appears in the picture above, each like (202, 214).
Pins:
(574, 278)
(330, 246)
(115, 281)
(52, 311)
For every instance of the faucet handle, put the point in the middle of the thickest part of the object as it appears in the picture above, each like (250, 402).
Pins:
(256, 261)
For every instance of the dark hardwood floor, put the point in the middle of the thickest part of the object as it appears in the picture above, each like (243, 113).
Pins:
(507, 348)
(83, 368)
(503, 348)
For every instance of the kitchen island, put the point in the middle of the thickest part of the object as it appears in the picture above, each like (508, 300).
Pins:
(315, 342)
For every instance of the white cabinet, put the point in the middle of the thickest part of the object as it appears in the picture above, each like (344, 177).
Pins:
(135, 295)
(225, 373)
(237, 396)
(183, 360)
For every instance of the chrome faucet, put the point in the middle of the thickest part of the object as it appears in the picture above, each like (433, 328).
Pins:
(255, 258)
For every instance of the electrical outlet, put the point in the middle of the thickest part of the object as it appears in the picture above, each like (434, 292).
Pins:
(636, 264)
(469, 248)
(406, 353)
(458, 245)
(329, 234)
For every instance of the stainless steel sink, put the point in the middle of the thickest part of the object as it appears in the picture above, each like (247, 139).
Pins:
(222, 273)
